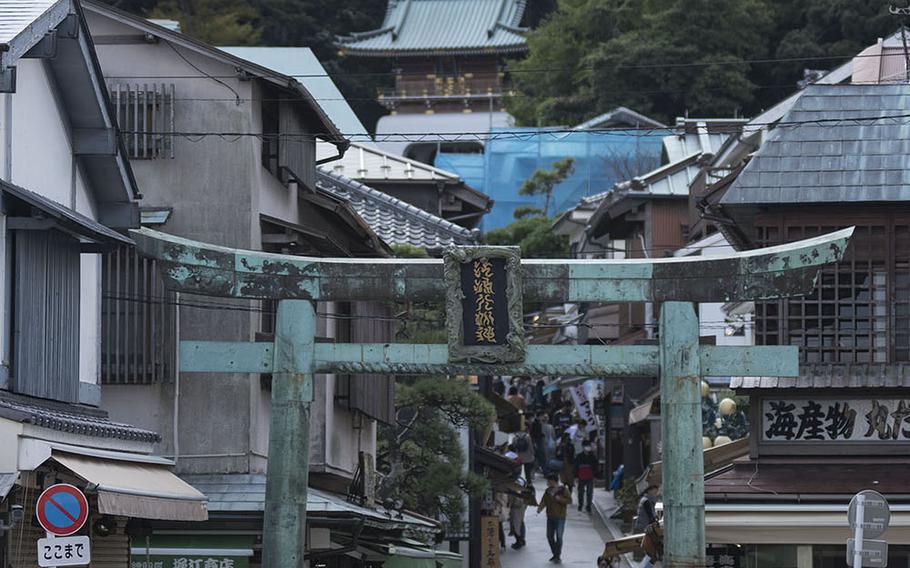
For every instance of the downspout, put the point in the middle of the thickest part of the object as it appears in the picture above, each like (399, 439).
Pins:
(649, 307)
(342, 147)
(176, 377)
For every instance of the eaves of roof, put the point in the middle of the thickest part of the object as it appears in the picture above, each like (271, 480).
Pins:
(331, 134)
(75, 68)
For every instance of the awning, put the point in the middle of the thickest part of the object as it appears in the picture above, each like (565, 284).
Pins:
(7, 480)
(641, 412)
(62, 217)
(139, 490)
(791, 524)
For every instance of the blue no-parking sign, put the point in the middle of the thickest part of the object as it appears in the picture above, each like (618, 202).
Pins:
(62, 509)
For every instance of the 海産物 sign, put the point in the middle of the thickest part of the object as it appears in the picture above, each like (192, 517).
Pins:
(830, 419)
(483, 304)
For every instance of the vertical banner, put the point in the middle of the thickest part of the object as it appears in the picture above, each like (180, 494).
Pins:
(489, 542)
(584, 407)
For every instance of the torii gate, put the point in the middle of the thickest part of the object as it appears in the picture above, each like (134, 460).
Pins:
(294, 357)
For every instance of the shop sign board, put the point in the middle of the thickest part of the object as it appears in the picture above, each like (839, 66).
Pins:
(874, 552)
(489, 542)
(724, 557)
(196, 551)
(835, 420)
(62, 509)
(484, 313)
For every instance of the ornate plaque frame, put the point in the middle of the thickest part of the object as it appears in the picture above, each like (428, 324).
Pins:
(515, 348)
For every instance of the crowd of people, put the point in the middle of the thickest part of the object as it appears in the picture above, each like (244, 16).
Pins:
(556, 443)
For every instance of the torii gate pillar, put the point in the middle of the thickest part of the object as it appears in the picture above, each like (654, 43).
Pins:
(681, 436)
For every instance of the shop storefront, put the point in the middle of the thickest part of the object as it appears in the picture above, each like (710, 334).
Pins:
(811, 450)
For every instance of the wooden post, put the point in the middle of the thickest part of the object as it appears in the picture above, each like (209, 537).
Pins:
(284, 525)
(680, 409)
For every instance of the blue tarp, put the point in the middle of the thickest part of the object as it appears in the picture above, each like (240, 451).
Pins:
(511, 156)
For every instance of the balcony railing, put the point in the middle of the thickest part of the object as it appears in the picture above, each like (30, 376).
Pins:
(436, 87)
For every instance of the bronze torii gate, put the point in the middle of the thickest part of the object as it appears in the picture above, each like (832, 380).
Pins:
(294, 357)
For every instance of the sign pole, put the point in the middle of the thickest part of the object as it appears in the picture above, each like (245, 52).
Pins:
(858, 531)
(680, 409)
(284, 524)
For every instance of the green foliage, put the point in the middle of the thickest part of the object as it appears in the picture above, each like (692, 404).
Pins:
(524, 211)
(423, 454)
(593, 55)
(534, 235)
(543, 182)
(409, 251)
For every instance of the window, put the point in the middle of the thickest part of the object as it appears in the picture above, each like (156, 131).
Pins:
(137, 321)
(145, 114)
(45, 322)
(859, 311)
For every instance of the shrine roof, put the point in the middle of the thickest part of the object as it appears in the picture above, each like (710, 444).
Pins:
(838, 143)
(849, 376)
(395, 221)
(443, 27)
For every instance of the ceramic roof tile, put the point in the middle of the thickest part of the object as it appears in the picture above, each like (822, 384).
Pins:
(832, 161)
(73, 421)
(854, 376)
(396, 222)
(428, 27)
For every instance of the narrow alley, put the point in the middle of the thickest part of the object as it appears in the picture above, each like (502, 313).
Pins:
(583, 538)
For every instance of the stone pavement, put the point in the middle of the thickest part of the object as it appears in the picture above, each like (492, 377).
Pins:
(582, 542)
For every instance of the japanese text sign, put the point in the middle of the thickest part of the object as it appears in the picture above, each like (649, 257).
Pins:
(835, 420)
(64, 551)
(483, 304)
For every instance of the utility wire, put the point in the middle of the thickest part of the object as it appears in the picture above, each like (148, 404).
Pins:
(531, 133)
(534, 70)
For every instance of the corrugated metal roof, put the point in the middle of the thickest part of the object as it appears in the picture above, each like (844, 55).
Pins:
(366, 163)
(837, 160)
(832, 376)
(396, 222)
(238, 492)
(301, 63)
(619, 115)
(423, 27)
(677, 147)
(17, 15)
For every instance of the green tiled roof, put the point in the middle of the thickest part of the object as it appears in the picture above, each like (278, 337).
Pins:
(838, 144)
(432, 27)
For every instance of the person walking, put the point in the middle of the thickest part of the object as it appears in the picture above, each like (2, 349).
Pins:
(524, 447)
(647, 509)
(565, 453)
(585, 466)
(556, 499)
(516, 399)
(518, 504)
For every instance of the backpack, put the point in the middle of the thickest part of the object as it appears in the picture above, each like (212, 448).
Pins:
(521, 443)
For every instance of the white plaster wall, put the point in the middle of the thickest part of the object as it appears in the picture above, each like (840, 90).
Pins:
(42, 156)
(42, 161)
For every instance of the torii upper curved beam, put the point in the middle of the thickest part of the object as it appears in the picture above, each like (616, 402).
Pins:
(768, 273)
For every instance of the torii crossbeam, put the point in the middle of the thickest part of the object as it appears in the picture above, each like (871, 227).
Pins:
(294, 357)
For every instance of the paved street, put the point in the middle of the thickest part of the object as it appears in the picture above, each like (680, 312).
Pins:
(584, 538)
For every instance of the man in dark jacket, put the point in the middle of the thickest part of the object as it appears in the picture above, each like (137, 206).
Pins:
(647, 512)
(585, 466)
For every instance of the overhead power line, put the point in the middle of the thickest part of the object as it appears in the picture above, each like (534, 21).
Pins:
(537, 70)
(523, 134)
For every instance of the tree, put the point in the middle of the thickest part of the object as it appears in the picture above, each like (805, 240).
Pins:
(422, 456)
(543, 182)
(535, 237)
